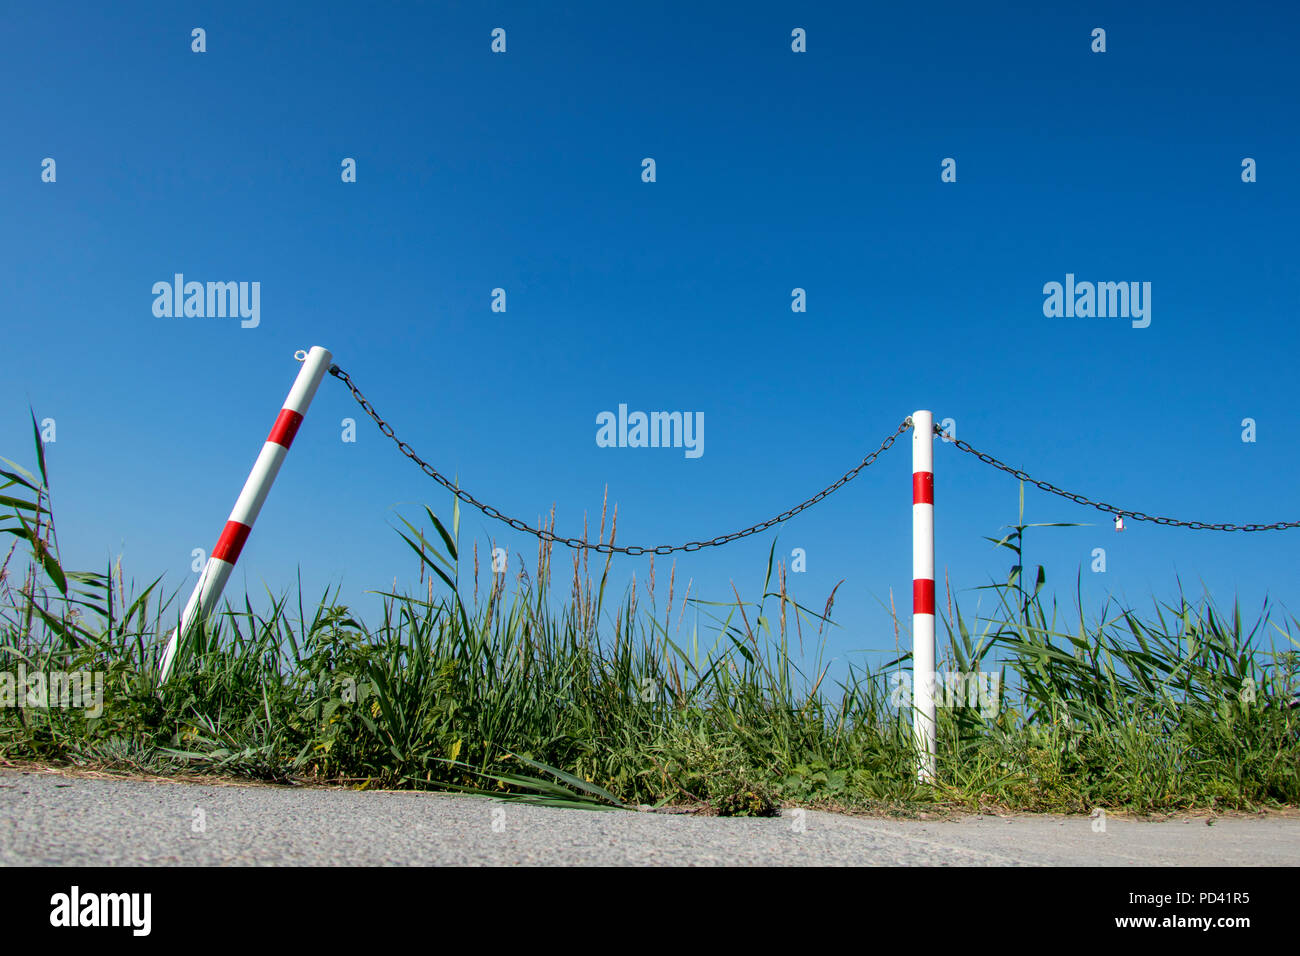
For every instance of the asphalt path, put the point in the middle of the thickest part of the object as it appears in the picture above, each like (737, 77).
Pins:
(48, 818)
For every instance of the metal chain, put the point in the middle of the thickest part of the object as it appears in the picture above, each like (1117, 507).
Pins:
(602, 547)
(1103, 506)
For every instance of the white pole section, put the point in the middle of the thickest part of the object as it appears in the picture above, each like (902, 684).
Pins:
(222, 560)
(923, 678)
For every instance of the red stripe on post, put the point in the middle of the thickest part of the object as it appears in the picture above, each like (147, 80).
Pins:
(922, 487)
(922, 596)
(231, 542)
(285, 427)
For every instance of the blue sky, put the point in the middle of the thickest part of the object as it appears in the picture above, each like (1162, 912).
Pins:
(775, 170)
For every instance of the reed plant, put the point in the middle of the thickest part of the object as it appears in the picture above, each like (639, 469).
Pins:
(542, 685)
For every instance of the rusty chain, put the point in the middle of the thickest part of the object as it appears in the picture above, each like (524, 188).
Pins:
(602, 547)
(1103, 506)
(610, 548)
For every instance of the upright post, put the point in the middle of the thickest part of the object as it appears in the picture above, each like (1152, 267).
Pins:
(207, 592)
(923, 677)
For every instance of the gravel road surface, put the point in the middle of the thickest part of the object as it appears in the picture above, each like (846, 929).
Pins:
(50, 819)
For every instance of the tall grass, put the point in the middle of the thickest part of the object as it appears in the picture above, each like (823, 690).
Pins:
(540, 684)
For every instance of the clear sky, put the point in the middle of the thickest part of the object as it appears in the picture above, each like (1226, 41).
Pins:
(774, 170)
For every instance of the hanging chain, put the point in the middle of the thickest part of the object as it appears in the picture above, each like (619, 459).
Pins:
(602, 547)
(1103, 506)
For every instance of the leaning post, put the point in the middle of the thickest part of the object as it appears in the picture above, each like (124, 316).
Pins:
(216, 572)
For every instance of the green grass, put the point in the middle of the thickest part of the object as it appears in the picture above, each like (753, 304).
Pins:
(562, 693)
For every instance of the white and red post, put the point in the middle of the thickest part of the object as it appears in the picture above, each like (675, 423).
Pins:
(226, 552)
(923, 678)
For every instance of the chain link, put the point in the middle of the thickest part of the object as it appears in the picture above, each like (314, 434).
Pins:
(602, 547)
(1103, 506)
